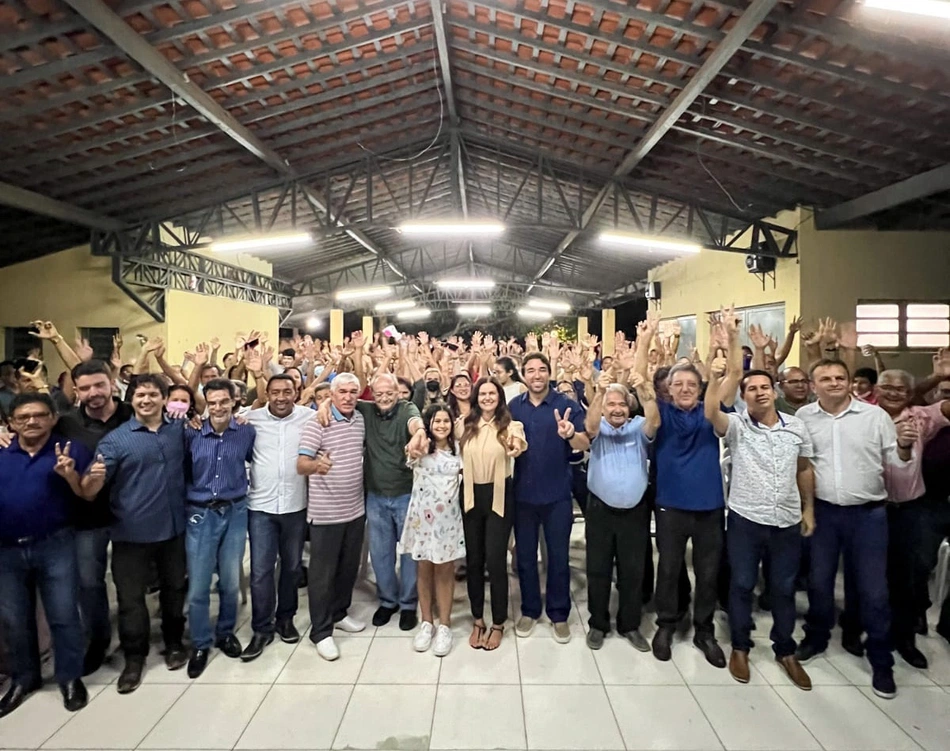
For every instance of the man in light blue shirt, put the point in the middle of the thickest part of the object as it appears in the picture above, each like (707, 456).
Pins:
(618, 522)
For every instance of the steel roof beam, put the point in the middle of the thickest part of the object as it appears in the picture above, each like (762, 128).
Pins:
(27, 200)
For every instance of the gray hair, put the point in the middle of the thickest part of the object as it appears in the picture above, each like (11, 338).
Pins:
(906, 378)
(618, 388)
(388, 376)
(344, 379)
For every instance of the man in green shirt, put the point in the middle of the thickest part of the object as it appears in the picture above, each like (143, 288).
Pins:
(793, 390)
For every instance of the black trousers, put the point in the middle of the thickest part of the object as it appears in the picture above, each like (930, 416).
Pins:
(674, 528)
(335, 554)
(907, 572)
(649, 570)
(486, 544)
(132, 567)
(615, 536)
(936, 527)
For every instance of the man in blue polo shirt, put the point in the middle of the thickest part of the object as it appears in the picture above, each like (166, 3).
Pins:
(689, 498)
(39, 481)
(554, 429)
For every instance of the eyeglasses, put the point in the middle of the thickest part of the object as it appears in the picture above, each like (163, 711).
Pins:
(24, 419)
(893, 389)
(795, 382)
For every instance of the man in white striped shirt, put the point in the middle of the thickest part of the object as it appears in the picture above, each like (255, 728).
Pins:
(332, 458)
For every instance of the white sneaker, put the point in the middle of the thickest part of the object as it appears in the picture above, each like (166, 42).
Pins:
(328, 650)
(350, 625)
(443, 641)
(423, 639)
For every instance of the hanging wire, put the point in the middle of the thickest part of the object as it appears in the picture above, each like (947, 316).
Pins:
(709, 172)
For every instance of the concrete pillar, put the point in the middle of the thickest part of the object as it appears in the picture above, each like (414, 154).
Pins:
(336, 328)
(581, 328)
(608, 328)
(368, 327)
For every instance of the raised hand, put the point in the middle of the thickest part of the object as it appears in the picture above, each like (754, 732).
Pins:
(156, 343)
(758, 337)
(717, 368)
(795, 326)
(44, 330)
(828, 333)
(202, 354)
(97, 470)
(253, 361)
(565, 428)
(267, 355)
(83, 349)
(907, 432)
(34, 381)
(423, 338)
(941, 362)
(215, 344)
(357, 340)
(324, 463)
(848, 336)
(531, 342)
(811, 338)
(65, 464)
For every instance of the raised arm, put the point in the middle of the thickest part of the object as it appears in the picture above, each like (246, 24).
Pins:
(646, 330)
(596, 410)
(782, 355)
(717, 377)
(733, 374)
(46, 330)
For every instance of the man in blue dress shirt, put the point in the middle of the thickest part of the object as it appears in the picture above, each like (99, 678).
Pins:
(217, 521)
(554, 428)
(144, 460)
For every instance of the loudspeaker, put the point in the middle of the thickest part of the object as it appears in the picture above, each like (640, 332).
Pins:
(653, 291)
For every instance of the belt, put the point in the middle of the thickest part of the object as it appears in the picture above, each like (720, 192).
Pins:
(215, 505)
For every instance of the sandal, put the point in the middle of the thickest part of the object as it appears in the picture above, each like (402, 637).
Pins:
(494, 629)
(475, 641)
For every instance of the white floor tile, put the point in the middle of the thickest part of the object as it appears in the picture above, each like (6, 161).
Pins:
(923, 712)
(306, 666)
(844, 719)
(113, 720)
(858, 670)
(362, 610)
(697, 671)
(476, 666)
(264, 669)
(293, 717)
(545, 662)
(661, 717)
(388, 717)
(937, 651)
(207, 717)
(157, 673)
(570, 717)
(621, 664)
(38, 718)
(498, 721)
(820, 670)
(395, 661)
(753, 718)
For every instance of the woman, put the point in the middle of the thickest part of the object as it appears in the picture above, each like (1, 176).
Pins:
(181, 401)
(508, 376)
(460, 396)
(488, 439)
(433, 534)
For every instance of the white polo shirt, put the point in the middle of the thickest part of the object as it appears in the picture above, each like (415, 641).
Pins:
(275, 486)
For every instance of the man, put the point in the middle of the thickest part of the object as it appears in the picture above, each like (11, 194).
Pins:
(771, 505)
(794, 391)
(145, 462)
(554, 429)
(689, 497)
(332, 458)
(618, 518)
(39, 481)
(8, 385)
(277, 511)
(216, 495)
(908, 511)
(853, 442)
(125, 378)
(98, 414)
(863, 383)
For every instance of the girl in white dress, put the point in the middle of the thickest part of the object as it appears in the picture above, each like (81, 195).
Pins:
(433, 534)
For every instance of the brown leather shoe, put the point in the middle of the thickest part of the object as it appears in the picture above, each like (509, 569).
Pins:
(739, 665)
(795, 671)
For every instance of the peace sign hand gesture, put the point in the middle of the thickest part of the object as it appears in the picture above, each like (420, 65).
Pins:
(65, 464)
(565, 428)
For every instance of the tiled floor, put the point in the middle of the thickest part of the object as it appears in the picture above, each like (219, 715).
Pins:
(530, 694)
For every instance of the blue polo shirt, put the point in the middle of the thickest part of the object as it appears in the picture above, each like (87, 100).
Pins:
(687, 460)
(147, 472)
(617, 470)
(543, 472)
(217, 468)
(34, 500)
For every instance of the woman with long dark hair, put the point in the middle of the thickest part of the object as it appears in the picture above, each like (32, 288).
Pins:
(489, 439)
(506, 371)
(460, 395)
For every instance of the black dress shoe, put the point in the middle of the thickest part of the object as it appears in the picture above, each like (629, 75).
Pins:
(256, 647)
(807, 651)
(75, 696)
(131, 676)
(852, 644)
(230, 646)
(707, 644)
(408, 620)
(383, 615)
(287, 632)
(198, 662)
(15, 695)
(662, 644)
(912, 656)
(95, 656)
(920, 627)
(176, 656)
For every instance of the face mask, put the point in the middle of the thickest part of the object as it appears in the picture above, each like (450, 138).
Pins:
(177, 409)
(433, 385)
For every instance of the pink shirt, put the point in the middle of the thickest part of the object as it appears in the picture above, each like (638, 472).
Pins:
(905, 482)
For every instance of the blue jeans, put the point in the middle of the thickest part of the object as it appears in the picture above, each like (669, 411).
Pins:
(748, 543)
(50, 565)
(556, 520)
(386, 516)
(861, 533)
(214, 540)
(272, 535)
(92, 550)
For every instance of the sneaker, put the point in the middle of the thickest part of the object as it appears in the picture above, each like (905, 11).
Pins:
(562, 632)
(638, 640)
(882, 683)
(443, 641)
(328, 650)
(350, 625)
(525, 626)
(423, 638)
(595, 638)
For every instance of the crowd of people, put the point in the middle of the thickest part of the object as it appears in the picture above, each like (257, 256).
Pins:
(436, 451)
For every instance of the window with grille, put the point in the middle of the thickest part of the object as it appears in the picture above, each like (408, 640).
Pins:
(100, 339)
(903, 325)
(19, 342)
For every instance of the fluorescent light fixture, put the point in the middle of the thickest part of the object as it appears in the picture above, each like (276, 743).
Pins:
(534, 314)
(363, 293)
(935, 8)
(554, 305)
(474, 310)
(465, 284)
(648, 243)
(442, 229)
(413, 314)
(386, 307)
(313, 323)
(262, 242)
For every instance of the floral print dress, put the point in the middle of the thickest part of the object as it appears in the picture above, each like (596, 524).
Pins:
(433, 530)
